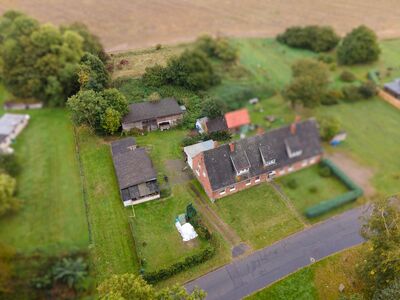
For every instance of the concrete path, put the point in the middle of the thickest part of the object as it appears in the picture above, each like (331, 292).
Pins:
(245, 276)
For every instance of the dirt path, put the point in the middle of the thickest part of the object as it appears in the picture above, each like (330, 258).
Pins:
(361, 175)
(288, 203)
(238, 247)
(134, 24)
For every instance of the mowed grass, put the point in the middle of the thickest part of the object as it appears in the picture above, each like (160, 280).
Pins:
(52, 218)
(373, 139)
(318, 281)
(112, 245)
(312, 189)
(258, 215)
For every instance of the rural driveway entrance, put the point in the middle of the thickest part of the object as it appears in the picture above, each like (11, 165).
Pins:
(243, 277)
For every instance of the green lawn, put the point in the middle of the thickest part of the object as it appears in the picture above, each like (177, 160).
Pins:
(373, 139)
(258, 215)
(112, 246)
(159, 242)
(307, 179)
(52, 219)
(318, 281)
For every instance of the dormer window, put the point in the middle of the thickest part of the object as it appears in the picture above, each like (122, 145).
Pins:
(267, 156)
(293, 147)
(240, 161)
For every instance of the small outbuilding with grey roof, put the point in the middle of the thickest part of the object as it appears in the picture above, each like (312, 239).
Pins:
(136, 176)
(152, 115)
(393, 88)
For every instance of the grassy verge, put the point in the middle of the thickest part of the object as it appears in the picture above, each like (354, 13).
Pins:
(258, 216)
(112, 246)
(318, 281)
(52, 218)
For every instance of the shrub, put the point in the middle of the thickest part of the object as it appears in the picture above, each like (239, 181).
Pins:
(347, 76)
(187, 263)
(313, 189)
(292, 184)
(218, 48)
(314, 38)
(324, 171)
(367, 90)
(220, 136)
(331, 97)
(329, 127)
(359, 46)
(213, 108)
(351, 93)
(154, 76)
(9, 164)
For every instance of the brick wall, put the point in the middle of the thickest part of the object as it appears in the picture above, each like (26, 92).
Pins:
(198, 168)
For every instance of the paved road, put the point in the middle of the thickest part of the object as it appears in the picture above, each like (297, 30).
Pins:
(245, 276)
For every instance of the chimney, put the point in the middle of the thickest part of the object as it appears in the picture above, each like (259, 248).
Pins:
(293, 126)
(232, 146)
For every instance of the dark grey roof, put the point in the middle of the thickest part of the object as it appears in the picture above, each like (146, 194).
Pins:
(294, 143)
(151, 110)
(393, 86)
(123, 145)
(139, 191)
(218, 161)
(133, 167)
(239, 158)
(217, 124)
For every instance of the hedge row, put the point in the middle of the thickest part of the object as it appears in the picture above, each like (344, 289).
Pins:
(328, 205)
(188, 262)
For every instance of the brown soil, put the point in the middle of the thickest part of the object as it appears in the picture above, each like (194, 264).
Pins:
(361, 175)
(134, 24)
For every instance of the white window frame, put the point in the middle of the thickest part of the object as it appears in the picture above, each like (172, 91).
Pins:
(223, 192)
(204, 174)
(291, 169)
(312, 160)
(257, 179)
(197, 172)
(248, 182)
(232, 188)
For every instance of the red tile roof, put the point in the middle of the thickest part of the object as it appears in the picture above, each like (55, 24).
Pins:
(237, 118)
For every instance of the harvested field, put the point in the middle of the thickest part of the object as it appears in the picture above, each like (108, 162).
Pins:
(124, 25)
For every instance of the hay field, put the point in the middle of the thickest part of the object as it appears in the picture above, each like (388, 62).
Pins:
(133, 24)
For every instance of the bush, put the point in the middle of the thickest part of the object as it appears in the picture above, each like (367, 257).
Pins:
(359, 46)
(324, 171)
(367, 90)
(292, 184)
(332, 97)
(351, 93)
(329, 127)
(187, 263)
(313, 189)
(220, 136)
(347, 76)
(314, 38)
(218, 48)
(9, 164)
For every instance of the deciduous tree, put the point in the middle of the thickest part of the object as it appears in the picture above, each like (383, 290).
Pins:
(8, 202)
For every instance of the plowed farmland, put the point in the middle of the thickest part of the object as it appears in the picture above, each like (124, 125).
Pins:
(124, 24)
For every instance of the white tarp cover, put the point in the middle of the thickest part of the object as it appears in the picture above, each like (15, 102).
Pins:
(187, 231)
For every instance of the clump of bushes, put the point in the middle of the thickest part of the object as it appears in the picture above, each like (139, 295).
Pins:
(324, 171)
(359, 46)
(313, 189)
(218, 48)
(328, 128)
(347, 76)
(191, 70)
(355, 93)
(326, 58)
(9, 164)
(332, 97)
(314, 38)
(292, 184)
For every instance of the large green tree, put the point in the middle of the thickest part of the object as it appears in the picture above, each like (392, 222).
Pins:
(359, 46)
(92, 73)
(309, 84)
(93, 109)
(381, 265)
(133, 287)
(8, 202)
